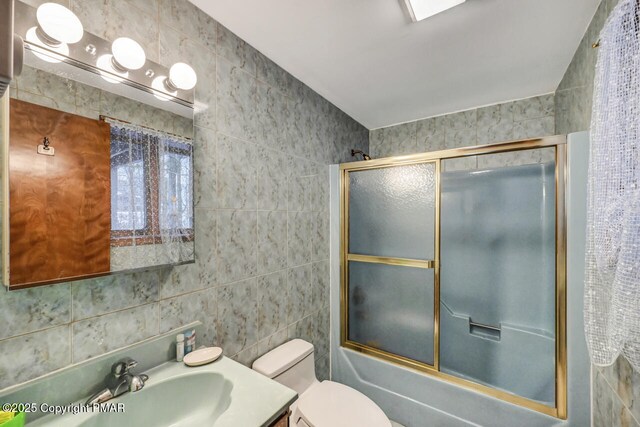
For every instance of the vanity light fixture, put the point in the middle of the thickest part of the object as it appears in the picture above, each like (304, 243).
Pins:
(160, 89)
(127, 54)
(53, 54)
(57, 24)
(57, 28)
(422, 9)
(53, 33)
(112, 75)
(181, 76)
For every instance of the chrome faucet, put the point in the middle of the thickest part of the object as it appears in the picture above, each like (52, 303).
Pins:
(120, 381)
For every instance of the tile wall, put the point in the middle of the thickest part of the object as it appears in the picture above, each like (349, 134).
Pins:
(263, 140)
(526, 118)
(615, 388)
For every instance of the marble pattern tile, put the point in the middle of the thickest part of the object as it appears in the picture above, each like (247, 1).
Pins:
(30, 310)
(236, 101)
(247, 356)
(111, 19)
(205, 232)
(272, 341)
(460, 121)
(602, 401)
(303, 329)
(188, 19)
(177, 47)
(272, 178)
(319, 190)
(34, 355)
(236, 50)
(534, 128)
(460, 164)
(99, 335)
(573, 110)
(294, 129)
(237, 249)
(237, 316)
(430, 134)
(205, 175)
(516, 158)
(299, 180)
(298, 237)
(272, 241)
(88, 98)
(271, 111)
(621, 416)
(624, 384)
(198, 306)
(37, 82)
(237, 174)
(461, 129)
(394, 140)
(272, 74)
(186, 278)
(322, 368)
(45, 101)
(319, 236)
(320, 285)
(273, 295)
(486, 125)
(321, 332)
(300, 292)
(534, 108)
(94, 297)
(495, 123)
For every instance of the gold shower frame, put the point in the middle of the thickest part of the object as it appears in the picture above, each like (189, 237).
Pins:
(557, 142)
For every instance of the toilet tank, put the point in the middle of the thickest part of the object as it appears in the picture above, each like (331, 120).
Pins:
(291, 364)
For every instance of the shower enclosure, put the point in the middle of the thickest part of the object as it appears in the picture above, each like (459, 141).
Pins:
(453, 264)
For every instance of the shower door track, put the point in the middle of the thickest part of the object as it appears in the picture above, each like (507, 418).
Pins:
(559, 143)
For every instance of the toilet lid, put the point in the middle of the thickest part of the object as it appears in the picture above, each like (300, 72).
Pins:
(330, 404)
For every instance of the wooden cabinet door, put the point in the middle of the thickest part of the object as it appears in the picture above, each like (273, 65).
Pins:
(59, 206)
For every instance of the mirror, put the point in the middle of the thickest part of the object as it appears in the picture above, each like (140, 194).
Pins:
(100, 176)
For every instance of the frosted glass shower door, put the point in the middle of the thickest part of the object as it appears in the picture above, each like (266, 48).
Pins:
(453, 263)
(390, 260)
(498, 274)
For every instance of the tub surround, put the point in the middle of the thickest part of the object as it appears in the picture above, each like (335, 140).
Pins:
(262, 143)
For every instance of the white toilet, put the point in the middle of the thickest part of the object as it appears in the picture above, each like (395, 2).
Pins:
(319, 404)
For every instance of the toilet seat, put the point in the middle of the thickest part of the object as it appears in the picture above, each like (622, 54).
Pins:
(331, 404)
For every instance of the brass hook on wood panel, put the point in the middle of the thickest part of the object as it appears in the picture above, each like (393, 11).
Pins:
(45, 148)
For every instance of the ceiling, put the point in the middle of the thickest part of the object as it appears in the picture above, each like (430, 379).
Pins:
(370, 60)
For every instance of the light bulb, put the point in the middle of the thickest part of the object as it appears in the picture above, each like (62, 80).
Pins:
(160, 89)
(53, 54)
(128, 53)
(59, 23)
(182, 76)
(105, 63)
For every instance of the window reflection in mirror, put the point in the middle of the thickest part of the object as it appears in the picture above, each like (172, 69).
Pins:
(151, 164)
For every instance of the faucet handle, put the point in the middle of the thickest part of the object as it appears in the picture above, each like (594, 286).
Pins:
(137, 382)
(122, 366)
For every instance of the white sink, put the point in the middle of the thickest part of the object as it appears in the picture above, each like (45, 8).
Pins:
(220, 394)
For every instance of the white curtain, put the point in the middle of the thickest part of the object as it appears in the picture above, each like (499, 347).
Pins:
(151, 197)
(612, 293)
